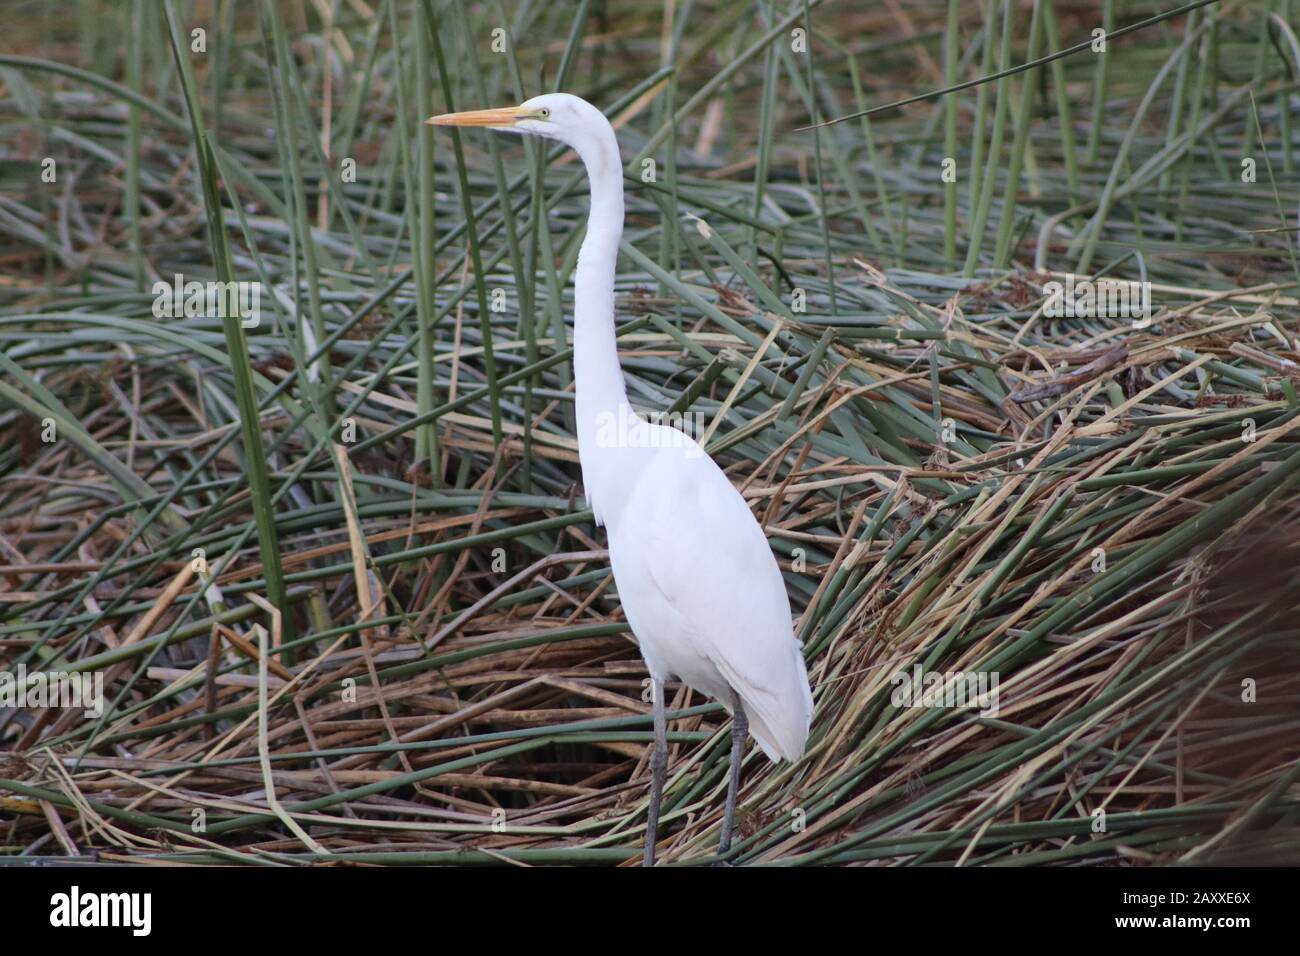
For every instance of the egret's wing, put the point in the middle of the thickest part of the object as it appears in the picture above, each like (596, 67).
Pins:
(711, 562)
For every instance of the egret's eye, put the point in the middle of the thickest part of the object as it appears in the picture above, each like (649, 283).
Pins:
(544, 113)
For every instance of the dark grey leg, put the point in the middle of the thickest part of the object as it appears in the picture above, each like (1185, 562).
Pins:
(739, 731)
(658, 769)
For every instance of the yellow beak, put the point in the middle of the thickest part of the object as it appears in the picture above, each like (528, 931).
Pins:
(503, 116)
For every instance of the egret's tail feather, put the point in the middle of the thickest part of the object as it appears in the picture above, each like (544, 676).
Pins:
(786, 745)
(779, 722)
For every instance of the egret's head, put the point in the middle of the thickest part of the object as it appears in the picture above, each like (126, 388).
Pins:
(563, 117)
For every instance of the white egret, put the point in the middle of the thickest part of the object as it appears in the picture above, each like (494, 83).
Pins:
(696, 577)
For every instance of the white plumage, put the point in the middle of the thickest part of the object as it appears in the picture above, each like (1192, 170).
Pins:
(698, 582)
(704, 595)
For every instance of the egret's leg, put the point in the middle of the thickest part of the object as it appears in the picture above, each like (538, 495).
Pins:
(658, 769)
(739, 731)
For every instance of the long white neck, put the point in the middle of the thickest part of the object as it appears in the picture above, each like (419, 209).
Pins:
(598, 379)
